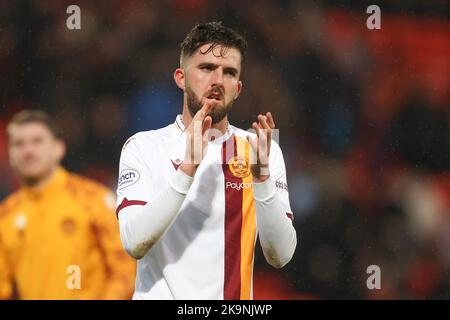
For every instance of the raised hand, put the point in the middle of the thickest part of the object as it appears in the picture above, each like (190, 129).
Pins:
(259, 158)
(197, 139)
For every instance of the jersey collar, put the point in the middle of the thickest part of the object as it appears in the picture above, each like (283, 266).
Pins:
(53, 187)
(179, 123)
(180, 126)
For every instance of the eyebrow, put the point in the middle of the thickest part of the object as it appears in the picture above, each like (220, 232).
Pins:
(214, 66)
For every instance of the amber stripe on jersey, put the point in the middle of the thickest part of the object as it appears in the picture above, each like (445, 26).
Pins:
(240, 224)
(248, 230)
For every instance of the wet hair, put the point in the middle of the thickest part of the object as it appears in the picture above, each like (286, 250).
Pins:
(216, 34)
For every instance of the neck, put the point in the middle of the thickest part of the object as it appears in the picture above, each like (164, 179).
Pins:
(37, 184)
(187, 119)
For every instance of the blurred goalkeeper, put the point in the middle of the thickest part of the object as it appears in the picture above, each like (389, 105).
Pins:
(58, 232)
(193, 196)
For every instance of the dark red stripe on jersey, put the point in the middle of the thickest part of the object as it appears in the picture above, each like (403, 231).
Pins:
(233, 225)
(229, 149)
(126, 203)
(290, 215)
(178, 125)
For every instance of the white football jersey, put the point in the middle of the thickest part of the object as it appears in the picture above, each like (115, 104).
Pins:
(208, 251)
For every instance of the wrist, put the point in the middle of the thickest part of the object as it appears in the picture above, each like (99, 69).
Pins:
(189, 169)
(181, 182)
(260, 173)
(264, 191)
(261, 179)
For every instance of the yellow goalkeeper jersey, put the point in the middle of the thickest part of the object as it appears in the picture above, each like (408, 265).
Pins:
(62, 242)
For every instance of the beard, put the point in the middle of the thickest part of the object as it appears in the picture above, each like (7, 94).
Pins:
(217, 112)
(32, 177)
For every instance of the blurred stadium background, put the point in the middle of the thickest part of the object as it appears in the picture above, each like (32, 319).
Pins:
(364, 119)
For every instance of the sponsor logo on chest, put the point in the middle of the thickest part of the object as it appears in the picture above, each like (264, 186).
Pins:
(238, 186)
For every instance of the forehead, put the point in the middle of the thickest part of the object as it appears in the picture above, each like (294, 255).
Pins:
(28, 129)
(227, 56)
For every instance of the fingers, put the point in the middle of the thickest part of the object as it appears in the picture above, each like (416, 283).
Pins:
(261, 144)
(264, 124)
(203, 112)
(263, 121)
(263, 135)
(270, 120)
(206, 124)
(266, 121)
(253, 143)
(263, 130)
(267, 133)
(256, 127)
(254, 150)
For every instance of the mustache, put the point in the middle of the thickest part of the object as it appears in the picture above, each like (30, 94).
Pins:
(216, 90)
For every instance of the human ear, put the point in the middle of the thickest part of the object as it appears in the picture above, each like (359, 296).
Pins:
(179, 78)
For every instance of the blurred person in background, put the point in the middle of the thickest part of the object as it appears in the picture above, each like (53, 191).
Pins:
(58, 226)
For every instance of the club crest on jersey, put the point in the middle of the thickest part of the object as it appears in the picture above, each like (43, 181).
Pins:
(239, 166)
(69, 226)
(127, 178)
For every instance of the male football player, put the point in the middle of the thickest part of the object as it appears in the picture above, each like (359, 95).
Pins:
(191, 198)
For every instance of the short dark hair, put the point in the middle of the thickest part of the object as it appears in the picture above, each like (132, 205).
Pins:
(215, 33)
(30, 116)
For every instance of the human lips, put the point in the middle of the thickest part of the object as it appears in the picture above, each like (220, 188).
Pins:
(215, 96)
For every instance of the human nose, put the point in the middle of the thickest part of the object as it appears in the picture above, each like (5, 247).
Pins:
(26, 148)
(218, 76)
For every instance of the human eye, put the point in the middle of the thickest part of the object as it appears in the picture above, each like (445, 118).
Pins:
(230, 73)
(206, 68)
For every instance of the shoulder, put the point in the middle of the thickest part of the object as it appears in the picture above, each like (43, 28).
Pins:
(146, 138)
(88, 190)
(9, 204)
(92, 196)
(86, 183)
